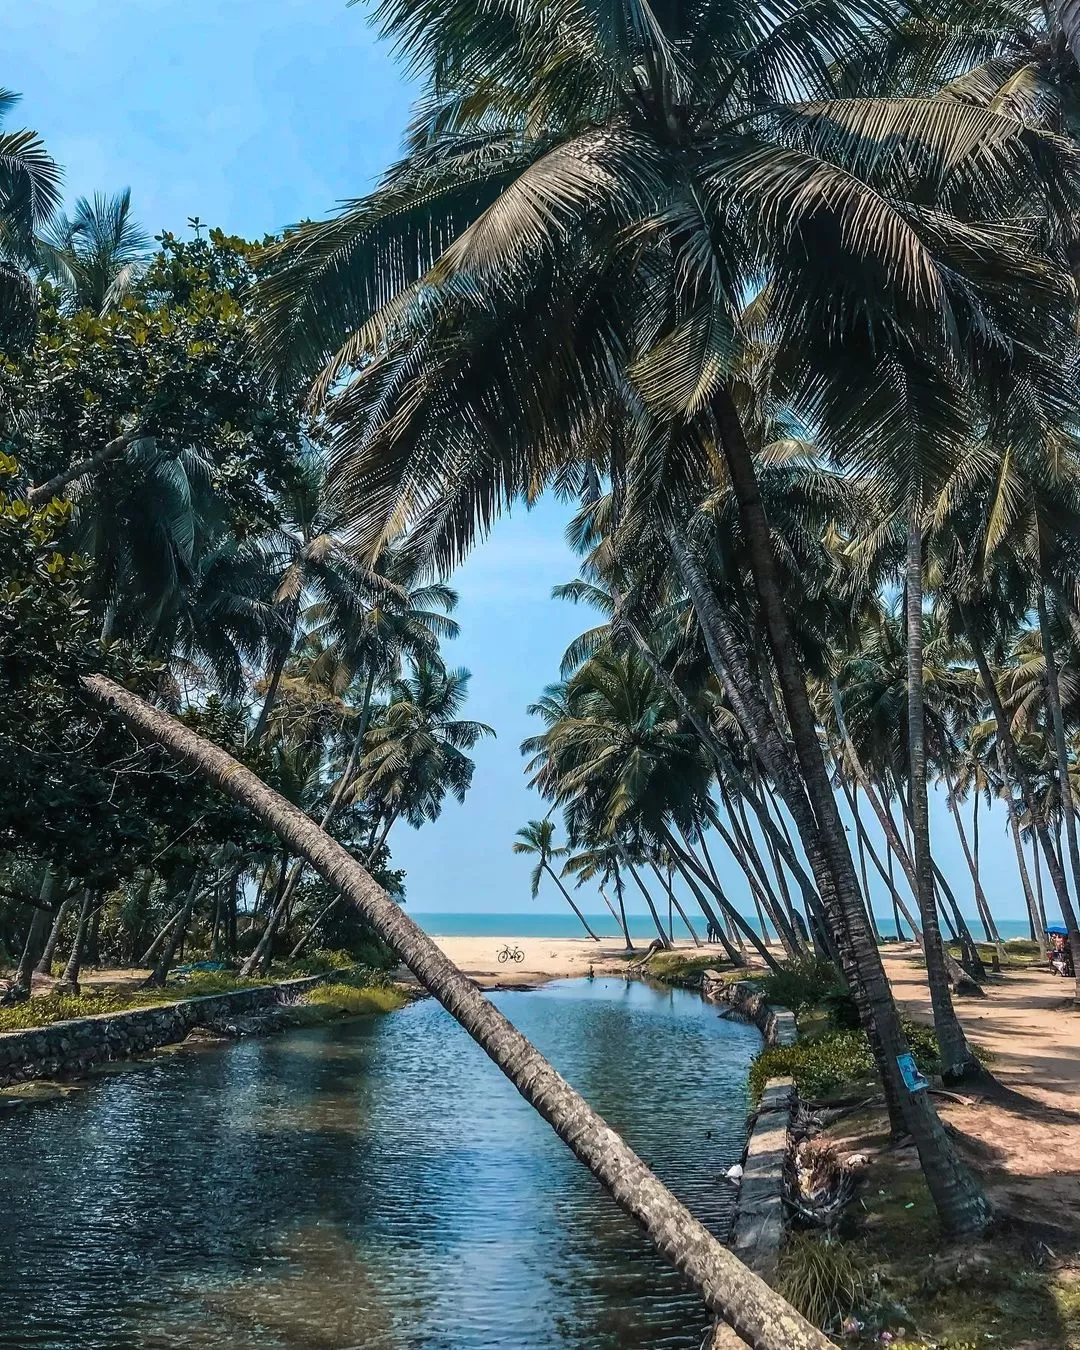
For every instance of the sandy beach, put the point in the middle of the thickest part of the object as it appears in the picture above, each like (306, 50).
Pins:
(543, 958)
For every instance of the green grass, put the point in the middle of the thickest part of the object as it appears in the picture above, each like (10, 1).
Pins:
(924, 1291)
(346, 1000)
(830, 1060)
(45, 1009)
(680, 969)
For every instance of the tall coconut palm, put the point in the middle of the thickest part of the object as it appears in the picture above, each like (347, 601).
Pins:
(29, 196)
(482, 314)
(96, 254)
(415, 754)
(537, 840)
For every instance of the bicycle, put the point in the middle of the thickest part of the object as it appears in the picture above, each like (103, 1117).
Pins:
(509, 953)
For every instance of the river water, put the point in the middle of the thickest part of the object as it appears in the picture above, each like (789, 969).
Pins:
(374, 1184)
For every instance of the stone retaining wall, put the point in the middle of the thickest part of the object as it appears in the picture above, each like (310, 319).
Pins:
(758, 1229)
(65, 1049)
(777, 1025)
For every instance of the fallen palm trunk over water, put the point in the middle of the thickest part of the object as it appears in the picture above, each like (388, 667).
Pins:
(761, 1317)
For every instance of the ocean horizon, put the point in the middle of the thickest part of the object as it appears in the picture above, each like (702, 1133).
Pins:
(554, 925)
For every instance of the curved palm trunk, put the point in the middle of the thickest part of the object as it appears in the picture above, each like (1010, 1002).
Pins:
(763, 1319)
(893, 843)
(1019, 775)
(622, 909)
(277, 669)
(886, 874)
(724, 763)
(36, 936)
(690, 868)
(157, 977)
(853, 798)
(665, 941)
(613, 912)
(957, 1061)
(570, 901)
(986, 918)
(674, 900)
(44, 966)
(1037, 927)
(69, 981)
(958, 1197)
(1053, 696)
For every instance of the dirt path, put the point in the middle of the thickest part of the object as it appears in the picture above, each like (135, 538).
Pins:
(1029, 1132)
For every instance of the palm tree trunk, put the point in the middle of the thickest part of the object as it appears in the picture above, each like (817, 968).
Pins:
(45, 492)
(277, 669)
(986, 918)
(157, 977)
(761, 1317)
(570, 901)
(1053, 697)
(958, 1197)
(612, 910)
(622, 909)
(853, 798)
(664, 940)
(1036, 927)
(892, 890)
(341, 787)
(957, 1061)
(689, 866)
(885, 874)
(260, 954)
(36, 937)
(724, 762)
(1020, 776)
(69, 981)
(44, 966)
(673, 900)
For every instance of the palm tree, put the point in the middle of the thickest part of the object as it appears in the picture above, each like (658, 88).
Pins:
(415, 751)
(97, 254)
(29, 195)
(764, 1320)
(537, 840)
(507, 295)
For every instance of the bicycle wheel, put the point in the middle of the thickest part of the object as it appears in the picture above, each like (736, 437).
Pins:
(504, 956)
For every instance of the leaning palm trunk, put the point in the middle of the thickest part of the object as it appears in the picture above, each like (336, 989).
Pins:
(986, 918)
(69, 981)
(1053, 697)
(570, 901)
(665, 941)
(957, 1061)
(1020, 776)
(36, 937)
(893, 843)
(960, 1202)
(44, 965)
(1036, 919)
(674, 900)
(763, 1319)
(724, 762)
(157, 977)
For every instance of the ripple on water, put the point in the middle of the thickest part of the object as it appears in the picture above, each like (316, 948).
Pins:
(376, 1184)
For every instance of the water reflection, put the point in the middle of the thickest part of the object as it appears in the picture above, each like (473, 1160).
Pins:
(374, 1185)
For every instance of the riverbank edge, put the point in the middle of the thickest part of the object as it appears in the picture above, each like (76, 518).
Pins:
(71, 1048)
(759, 1225)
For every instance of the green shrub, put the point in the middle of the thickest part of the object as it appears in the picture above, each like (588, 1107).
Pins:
(801, 984)
(822, 1279)
(819, 1066)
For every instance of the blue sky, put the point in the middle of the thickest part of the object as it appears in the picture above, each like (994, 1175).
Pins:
(253, 114)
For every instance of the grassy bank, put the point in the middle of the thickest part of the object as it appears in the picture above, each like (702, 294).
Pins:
(353, 991)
